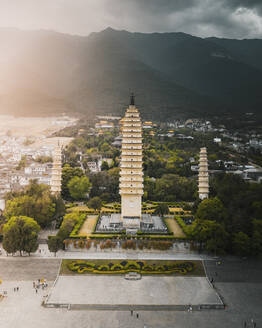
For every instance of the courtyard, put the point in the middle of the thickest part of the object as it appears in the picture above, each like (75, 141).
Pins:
(239, 283)
(116, 292)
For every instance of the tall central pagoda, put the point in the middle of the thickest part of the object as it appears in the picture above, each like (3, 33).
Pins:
(131, 173)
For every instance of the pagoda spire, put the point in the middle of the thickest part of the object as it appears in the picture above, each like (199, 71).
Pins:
(132, 99)
(203, 176)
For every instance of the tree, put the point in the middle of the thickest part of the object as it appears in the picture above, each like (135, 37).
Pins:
(241, 243)
(40, 207)
(162, 209)
(211, 234)
(44, 209)
(79, 187)
(104, 166)
(105, 147)
(172, 187)
(20, 234)
(54, 244)
(67, 225)
(68, 173)
(44, 159)
(59, 207)
(211, 209)
(105, 197)
(106, 182)
(256, 243)
(21, 205)
(34, 201)
(22, 163)
(95, 203)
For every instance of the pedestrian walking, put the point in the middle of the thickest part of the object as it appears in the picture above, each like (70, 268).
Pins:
(36, 290)
(17, 288)
(131, 312)
(137, 315)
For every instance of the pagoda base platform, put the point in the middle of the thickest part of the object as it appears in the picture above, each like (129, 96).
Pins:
(116, 223)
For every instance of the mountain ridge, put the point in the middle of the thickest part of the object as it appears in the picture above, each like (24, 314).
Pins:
(174, 74)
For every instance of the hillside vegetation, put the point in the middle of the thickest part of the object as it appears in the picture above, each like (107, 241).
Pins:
(172, 74)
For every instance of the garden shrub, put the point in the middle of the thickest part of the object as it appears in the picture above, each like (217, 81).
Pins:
(82, 266)
(81, 243)
(88, 243)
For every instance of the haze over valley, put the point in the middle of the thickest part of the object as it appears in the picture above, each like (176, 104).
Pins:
(48, 73)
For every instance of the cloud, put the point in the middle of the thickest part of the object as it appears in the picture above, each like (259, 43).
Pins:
(222, 18)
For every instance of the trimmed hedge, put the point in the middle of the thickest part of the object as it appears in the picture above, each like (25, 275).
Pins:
(83, 266)
(79, 224)
(170, 232)
(183, 226)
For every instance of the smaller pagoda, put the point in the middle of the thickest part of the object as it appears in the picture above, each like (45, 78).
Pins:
(203, 177)
(56, 178)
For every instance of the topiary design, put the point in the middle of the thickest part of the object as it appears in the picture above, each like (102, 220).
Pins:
(82, 266)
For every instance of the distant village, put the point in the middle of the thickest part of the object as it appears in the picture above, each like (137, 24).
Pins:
(239, 142)
(21, 161)
(24, 158)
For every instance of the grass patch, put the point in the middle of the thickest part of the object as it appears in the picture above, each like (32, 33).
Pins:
(89, 225)
(186, 228)
(175, 267)
(174, 227)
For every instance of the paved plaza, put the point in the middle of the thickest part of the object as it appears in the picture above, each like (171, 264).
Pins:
(115, 290)
(27, 268)
(238, 282)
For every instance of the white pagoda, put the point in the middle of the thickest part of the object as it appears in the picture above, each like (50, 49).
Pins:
(131, 172)
(56, 178)
(203, 178)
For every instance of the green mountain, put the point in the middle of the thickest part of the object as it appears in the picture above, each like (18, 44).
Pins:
(172, 74)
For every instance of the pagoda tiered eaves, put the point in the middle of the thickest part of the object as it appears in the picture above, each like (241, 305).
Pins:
(203, 176)
(56, 178)
(131, 166)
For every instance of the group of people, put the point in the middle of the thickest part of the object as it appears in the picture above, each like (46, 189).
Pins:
(41, 283)
(136, 314)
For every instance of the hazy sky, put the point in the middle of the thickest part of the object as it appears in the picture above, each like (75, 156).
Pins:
(222, 18)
